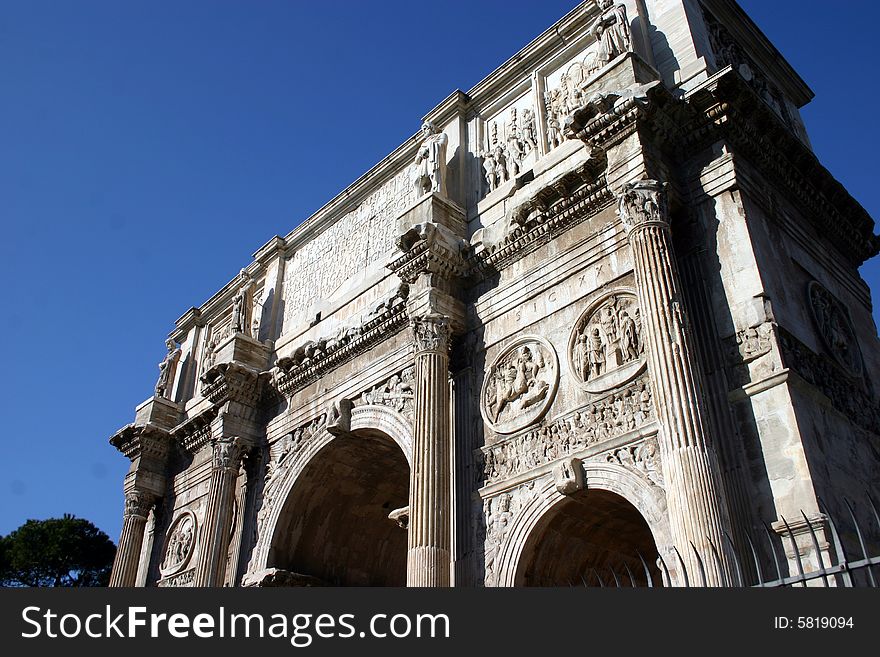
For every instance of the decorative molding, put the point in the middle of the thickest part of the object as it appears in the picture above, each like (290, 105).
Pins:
(232, 382)
(310, 361)
(553, 210)
(138, 440)
(430, 248)
(607, 418)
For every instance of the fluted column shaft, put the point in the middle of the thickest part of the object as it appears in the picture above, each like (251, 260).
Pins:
(131, 540)
(695, 499)
(211, 568)
(430, 528)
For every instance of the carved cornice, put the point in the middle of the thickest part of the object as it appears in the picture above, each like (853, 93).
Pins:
(142, 441)
(554, 210)
(732, 108)
(195, 433)
(232, 382)
(314, 359)
(430, 248)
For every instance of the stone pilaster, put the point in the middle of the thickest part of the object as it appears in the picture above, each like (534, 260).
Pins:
(218, 516)
(697, 510)
(430, 526)
(131, 540)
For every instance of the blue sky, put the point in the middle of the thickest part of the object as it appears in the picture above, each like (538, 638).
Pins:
(147, 149)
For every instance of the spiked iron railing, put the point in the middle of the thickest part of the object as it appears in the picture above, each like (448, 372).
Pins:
(845, 572)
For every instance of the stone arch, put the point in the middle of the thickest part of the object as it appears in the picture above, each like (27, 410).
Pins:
(366, 421)
(648, 499)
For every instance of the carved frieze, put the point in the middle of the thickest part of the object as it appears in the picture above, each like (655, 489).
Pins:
(835, 328)
(609, 417)
(520, 385)
(850, 396)
(319, 266)
(180, 545)
(606, 349)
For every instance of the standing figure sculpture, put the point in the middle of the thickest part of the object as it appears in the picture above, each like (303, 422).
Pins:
(611, 29)
(167, 369)
(241, 305)
(430, 173)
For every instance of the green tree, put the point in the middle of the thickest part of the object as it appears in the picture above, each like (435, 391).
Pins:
(64, 551)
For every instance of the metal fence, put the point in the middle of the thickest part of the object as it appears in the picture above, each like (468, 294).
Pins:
(758, 562)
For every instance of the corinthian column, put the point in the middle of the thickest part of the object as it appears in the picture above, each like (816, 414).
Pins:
(430, 528)
(128, 554)
(697, 510)
(218, 517)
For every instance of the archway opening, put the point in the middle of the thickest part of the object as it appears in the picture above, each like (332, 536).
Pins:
(590, 538)
(334, 528)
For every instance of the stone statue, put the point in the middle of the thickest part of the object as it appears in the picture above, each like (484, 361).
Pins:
(167, 369)
(430, 173)
(241, 305)
(611, 29)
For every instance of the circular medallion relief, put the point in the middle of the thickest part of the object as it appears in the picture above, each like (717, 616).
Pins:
(606, 349)
(835, 328)
(520, 384)
(179, 544)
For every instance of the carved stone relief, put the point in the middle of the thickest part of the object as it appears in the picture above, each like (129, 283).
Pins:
(179, 545)
(606, 349)
(520, 385)
(510, 145)
(396, 392)
(604, 419)
(498, 515)
(835, 328)
(642, 458)
(323, 263)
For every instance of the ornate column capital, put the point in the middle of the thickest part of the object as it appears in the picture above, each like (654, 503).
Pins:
(227, 452)
(431, 332)
(138, 504)
(641, 203)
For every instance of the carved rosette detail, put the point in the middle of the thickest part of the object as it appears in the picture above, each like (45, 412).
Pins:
(642, 202)
(227, 451)
(138, 504)
(179, 545)
(607, 346)
(431, 333)
(520, 385)
(835, 328)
